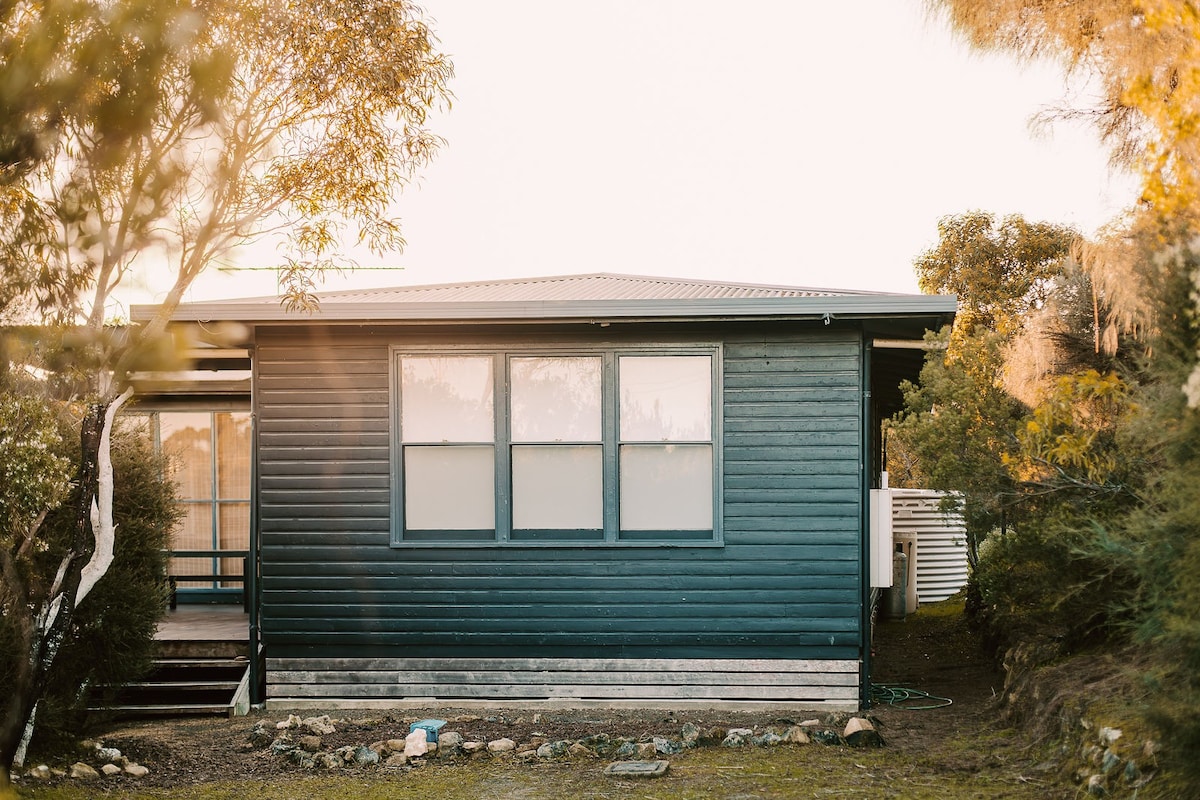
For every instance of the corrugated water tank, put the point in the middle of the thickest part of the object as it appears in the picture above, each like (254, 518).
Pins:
(941, 541)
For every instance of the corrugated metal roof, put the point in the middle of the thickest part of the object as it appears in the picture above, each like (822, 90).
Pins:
(596, 286)
(569, 297)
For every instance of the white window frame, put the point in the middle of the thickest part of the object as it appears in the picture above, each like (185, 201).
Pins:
(504, 535)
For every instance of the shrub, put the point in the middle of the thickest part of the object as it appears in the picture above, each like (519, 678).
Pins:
(112, 638)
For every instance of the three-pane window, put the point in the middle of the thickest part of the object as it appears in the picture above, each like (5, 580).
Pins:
(593, 447)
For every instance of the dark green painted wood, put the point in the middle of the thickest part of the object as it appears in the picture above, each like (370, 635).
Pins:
(564, 596)
(795, 647)
(783, 585)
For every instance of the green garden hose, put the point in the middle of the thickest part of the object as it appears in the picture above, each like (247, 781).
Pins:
(899, 696)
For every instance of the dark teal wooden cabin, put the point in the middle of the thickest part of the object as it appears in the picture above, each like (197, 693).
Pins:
(588, 489)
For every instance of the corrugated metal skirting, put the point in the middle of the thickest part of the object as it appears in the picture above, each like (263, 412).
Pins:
(941, 541)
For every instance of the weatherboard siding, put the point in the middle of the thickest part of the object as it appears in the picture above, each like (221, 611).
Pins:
(786, 584)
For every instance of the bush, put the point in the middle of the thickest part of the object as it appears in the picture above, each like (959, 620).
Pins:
(111, 640)
(1068, 582)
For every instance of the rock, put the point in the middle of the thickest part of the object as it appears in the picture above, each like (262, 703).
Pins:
(690, 735)
(465, 718)
(90, 744)
(310, 743)
(713, 735)
(110, 769)
(796, 735)
(282, 744)
(811, 723)
(41, 772)
(554, 749)
(395, 745)
(321, 726)
(1109, 761)
(1109, 736)
(825, 736)
(768, 739)
(637, 769)
(856, 724)
(365, 756)
(501, 745)
(262, 734)
(108, 754)
(1131, 772)
(396, 760)
(471, 748)
(345, 755)
(82, 772)
(626, 750)
(861, 733)
(599, 743)
(645, 750)
(666, 746)
(326, 761)
(449, 742)
(735, 739)
(136, 770)
(578, 750)
(291, 722)
(416, 744)
(1096, 787)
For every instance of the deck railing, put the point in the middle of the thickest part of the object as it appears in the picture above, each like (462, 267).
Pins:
(214, 575)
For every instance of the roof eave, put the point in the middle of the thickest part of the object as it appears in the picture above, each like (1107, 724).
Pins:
(847, 306)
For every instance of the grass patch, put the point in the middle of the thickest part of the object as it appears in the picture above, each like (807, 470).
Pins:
(807, 771)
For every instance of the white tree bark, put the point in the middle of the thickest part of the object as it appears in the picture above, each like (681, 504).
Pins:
(103, 528)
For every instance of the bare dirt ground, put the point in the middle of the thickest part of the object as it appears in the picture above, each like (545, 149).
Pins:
(960, 750)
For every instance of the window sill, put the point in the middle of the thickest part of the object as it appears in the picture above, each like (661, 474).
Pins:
(644, 541)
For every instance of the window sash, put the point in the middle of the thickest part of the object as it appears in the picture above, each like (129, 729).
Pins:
(520, 517)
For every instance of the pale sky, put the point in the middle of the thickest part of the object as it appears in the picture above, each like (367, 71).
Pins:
(808, 144)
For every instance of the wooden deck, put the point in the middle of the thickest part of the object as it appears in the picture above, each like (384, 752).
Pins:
(204, 623)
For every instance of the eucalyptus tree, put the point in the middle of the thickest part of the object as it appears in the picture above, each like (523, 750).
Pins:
(957, 431)
(253, 116)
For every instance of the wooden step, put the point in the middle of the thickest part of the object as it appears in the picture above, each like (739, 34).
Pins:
(203, 663)
(201, 648)
(183, 685)
(168, 709)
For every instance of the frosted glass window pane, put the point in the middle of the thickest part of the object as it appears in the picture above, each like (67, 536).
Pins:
(555, 399)
(666, 398)
(233, 534)
(449, 488)
(233, 455)
(558, 487)
(446, 399)
(666, 487)
(187, 443)
(193, 532)
(234, 526)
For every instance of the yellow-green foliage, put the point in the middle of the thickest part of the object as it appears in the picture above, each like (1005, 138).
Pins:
(1072, 434)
